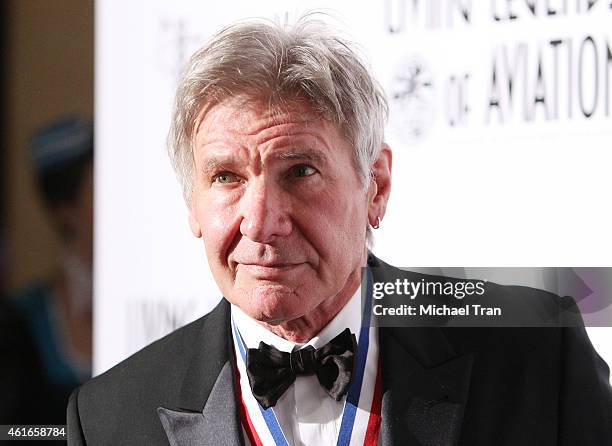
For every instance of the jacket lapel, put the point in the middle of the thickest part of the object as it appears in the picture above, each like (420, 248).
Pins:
(425, 382)
(205, 411)
(215, 425)
(422, 405)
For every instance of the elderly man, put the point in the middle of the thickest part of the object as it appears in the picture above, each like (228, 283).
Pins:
(277, 137)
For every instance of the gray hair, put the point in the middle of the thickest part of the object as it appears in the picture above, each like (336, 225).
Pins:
(280, 63)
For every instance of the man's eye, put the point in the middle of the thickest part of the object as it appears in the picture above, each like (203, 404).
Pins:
(225, 178)
(303, 170)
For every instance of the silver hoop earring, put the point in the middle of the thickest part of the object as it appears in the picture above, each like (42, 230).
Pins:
(377, 224)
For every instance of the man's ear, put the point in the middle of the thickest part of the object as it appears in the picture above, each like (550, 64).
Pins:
(380, 185)
(196, 230)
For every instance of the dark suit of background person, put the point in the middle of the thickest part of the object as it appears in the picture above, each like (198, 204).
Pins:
(20, 376)
(441, 386)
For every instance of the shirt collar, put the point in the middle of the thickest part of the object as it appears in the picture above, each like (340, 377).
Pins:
(252, 332)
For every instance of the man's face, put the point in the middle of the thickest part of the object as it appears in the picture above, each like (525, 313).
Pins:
(280, 207)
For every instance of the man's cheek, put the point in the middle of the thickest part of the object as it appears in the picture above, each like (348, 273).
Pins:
(218, 225)
(215, 241)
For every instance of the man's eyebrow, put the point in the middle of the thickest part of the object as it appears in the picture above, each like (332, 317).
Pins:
(301, 154)
(217, 163)
(214, 164)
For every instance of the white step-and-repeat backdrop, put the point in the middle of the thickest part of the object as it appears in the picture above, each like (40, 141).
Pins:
(500, 125)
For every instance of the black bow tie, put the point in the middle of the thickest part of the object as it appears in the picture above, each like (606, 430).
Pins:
(271, 371)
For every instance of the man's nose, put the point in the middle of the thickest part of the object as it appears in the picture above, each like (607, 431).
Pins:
(265, 213)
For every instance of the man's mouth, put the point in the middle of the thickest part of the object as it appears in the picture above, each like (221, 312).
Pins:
(268, 269)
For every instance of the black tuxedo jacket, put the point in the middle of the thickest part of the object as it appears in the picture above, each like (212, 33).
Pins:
(441, 386)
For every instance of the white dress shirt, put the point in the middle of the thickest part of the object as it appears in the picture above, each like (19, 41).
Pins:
(305, 412)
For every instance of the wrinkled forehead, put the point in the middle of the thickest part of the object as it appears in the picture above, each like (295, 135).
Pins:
(240, 111)
(242, 115)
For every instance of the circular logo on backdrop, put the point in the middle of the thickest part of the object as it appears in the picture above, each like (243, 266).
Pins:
(411, 97)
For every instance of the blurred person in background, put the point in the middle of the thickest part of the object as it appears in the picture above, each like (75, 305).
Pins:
(51, 318)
